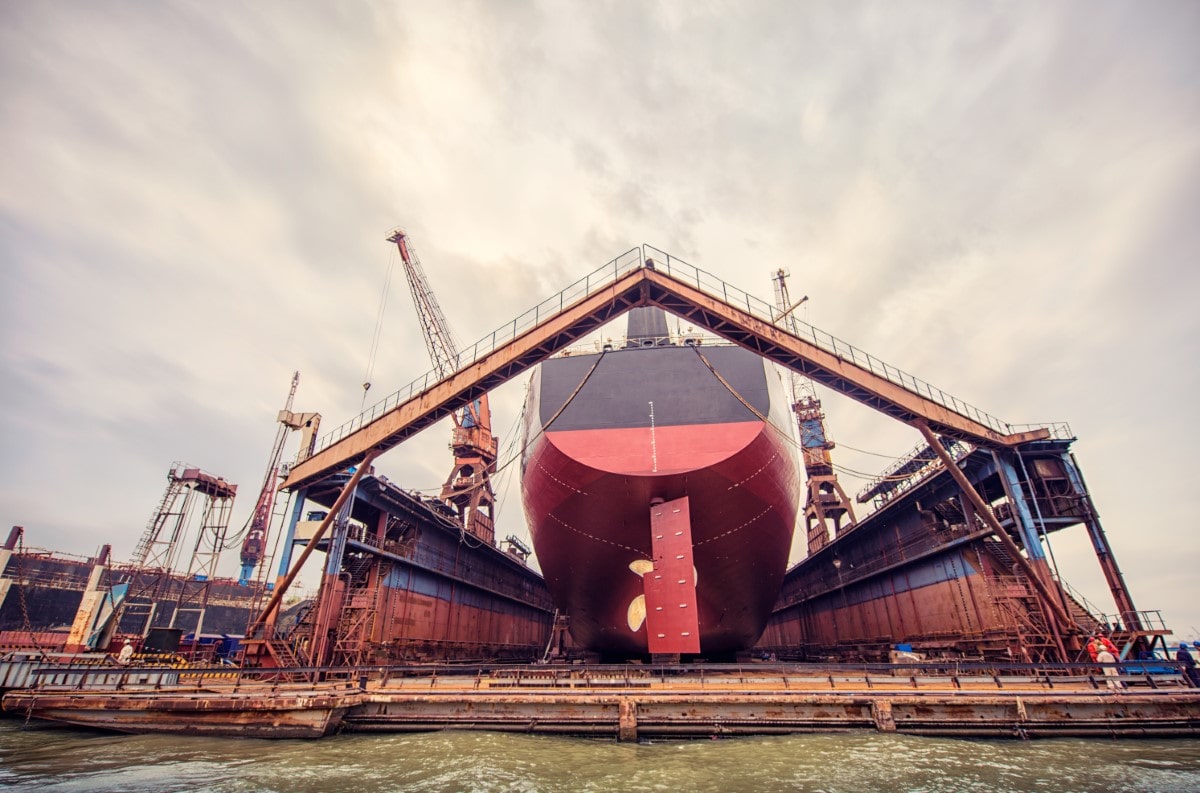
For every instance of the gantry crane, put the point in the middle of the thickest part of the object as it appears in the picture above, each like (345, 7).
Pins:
(826, 501)
(255, 545)
(469, 487)
(154, 579)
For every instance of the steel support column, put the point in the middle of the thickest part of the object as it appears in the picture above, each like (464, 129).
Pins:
(282, 589)
(289, 540)
(1104, 554)
(332, 592)
(1022, 516)
(1054, 611)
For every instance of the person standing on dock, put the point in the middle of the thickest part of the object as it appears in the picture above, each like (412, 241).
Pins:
(1108, 645)
(1185, 660)
(1103, 651)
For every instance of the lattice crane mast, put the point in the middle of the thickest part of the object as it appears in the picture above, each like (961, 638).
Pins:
(255, 545)
(826, 501)
(469, 486)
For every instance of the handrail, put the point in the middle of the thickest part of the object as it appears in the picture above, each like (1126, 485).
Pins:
(714, 286)
(1093, 612)
(117, 678)
(922, 463)
(596, 280)
(654, 258)
(1148, 620)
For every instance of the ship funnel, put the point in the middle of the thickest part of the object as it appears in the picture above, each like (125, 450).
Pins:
(647, 327)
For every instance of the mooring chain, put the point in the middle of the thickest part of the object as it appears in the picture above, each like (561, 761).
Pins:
(22, 583)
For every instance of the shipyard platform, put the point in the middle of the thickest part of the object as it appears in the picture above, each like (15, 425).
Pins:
(623, 702)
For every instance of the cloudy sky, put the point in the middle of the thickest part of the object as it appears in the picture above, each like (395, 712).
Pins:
(1000, 198)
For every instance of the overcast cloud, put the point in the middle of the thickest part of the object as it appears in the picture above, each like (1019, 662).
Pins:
(999, 198)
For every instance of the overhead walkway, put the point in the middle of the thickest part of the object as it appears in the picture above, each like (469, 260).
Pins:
(645, 276)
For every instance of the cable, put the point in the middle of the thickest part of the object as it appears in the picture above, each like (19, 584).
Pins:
(864, 451)
(509, 449)
(787, 435)
(374, 350)
(525, 445)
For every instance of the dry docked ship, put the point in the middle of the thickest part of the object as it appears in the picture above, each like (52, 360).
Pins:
(660, 491)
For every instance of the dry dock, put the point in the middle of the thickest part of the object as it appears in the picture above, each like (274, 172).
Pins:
(622, 702)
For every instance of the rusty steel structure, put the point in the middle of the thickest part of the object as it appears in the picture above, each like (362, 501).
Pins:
(41, 591)
(957, 575)
(647, 277)
(624, 703)
(411, 589)
(953, 559)
(625, 283)
(401, 584)
(188, 490)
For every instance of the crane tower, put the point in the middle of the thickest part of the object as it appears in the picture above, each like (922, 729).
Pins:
(469, 487)
(826, 502)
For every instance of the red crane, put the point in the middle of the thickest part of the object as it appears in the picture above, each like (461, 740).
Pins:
(469, 486)
(255, 545)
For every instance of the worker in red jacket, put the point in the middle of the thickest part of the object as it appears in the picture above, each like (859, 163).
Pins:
(1103, 651)
(1108, 645)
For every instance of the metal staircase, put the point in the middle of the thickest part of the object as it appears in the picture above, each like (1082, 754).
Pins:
(1016, 597)
(1020, 602)
(285, 655)
(360, 607)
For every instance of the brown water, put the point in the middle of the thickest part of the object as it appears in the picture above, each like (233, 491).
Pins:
(53, 759)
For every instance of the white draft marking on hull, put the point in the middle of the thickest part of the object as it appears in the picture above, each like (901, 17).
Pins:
(653, 443)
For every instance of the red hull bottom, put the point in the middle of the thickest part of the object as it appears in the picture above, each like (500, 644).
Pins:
(588, 497)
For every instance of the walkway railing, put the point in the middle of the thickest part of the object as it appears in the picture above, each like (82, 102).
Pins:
(649, 256)
(1148, 620)
(931, 674)
(714, 286)
(908, 470)
(591, 283)
(1093, 611)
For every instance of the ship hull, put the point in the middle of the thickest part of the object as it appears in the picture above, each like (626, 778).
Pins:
(651, 426)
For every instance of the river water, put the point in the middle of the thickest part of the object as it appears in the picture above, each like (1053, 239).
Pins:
(54, 759)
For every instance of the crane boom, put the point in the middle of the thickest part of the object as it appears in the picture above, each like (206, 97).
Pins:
(469, 486)
(438, 339)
